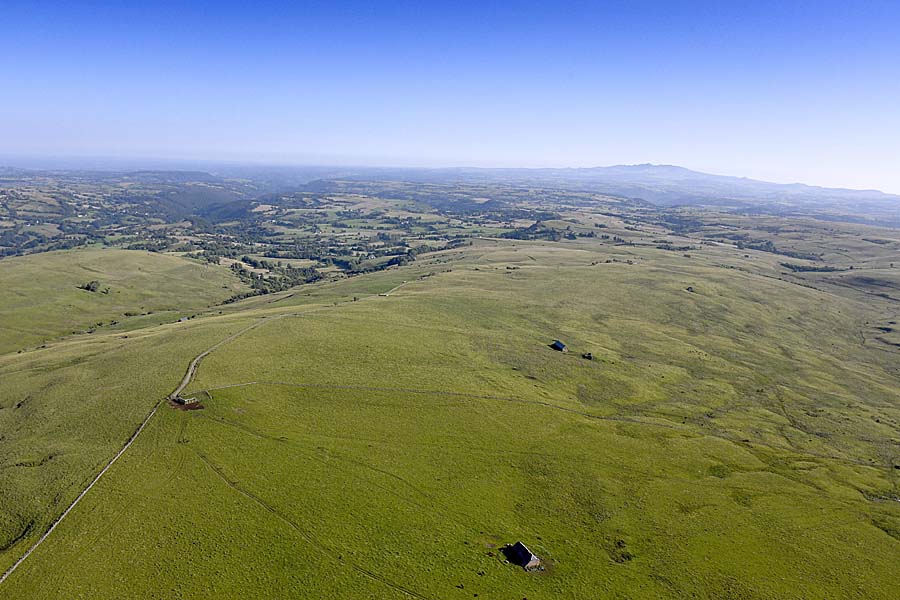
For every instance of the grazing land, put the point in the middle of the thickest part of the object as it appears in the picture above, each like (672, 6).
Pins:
(44, 296)
(386, 414)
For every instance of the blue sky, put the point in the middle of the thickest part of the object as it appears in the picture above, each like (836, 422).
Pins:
(785, 91)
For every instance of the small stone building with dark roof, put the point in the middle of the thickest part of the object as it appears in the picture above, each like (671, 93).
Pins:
(519, 554)
(558, 345)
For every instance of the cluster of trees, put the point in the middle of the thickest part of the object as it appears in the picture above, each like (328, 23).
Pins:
(261, 264)
(356, 265)
(798, 268)
(536, 231)
(768, 246)
(277, 279)
(154, 244)
(674, 248)
(93, 286)
(14, 242)
(681, 224)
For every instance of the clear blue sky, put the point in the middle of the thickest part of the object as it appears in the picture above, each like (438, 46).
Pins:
(786, 91)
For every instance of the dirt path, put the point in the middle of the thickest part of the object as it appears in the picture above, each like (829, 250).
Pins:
(395, 288)
(82, 494)
(185, 381)
(192, 368)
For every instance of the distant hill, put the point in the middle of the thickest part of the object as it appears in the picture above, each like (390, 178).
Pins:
(668, 185)
(662, 185)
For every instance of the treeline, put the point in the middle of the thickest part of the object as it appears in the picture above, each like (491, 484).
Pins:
(798, 268)
(769, 246)
(536, 231)
(358, 266)
(15, 243)
(277, 279)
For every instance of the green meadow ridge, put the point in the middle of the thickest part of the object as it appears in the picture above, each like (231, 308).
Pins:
(385, 433)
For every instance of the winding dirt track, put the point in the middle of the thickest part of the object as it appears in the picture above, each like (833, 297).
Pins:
(191, 372)
(192, 368)
(188, 377)
(185, 381)
(81, 495)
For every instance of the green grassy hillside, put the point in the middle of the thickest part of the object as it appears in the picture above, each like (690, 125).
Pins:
(40, 299)
(735, 436)
(66, 410)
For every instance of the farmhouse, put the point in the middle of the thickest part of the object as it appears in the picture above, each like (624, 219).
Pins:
(558, 345)
(519, 554)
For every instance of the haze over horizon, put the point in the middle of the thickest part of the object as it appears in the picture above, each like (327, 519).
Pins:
(782, 92)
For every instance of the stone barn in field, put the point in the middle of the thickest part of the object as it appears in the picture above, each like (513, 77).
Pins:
(519, 554)
(558, 345)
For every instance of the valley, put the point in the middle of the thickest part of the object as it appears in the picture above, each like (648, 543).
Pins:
(380, 411)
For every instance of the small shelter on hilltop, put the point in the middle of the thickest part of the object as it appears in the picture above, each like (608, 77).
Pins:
(558, 345)
(519, 554)
(186, 401)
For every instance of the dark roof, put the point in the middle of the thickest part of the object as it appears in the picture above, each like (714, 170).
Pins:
(557, 345)
(520, 555)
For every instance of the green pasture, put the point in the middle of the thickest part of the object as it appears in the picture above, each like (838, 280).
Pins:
(40, 299)
(734, 436)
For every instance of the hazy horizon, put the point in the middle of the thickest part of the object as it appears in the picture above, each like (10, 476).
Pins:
(112, 164)
(781, 92)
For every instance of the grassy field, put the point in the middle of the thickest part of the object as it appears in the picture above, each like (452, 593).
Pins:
(66, 409)
(735, 436)
(40, 299)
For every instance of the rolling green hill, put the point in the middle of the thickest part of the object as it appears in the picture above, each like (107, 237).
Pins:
(40, 299)
(734, 436)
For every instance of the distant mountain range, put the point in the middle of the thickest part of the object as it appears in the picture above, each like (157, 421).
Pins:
(665, 185)
(668, 186)
(662, 185)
